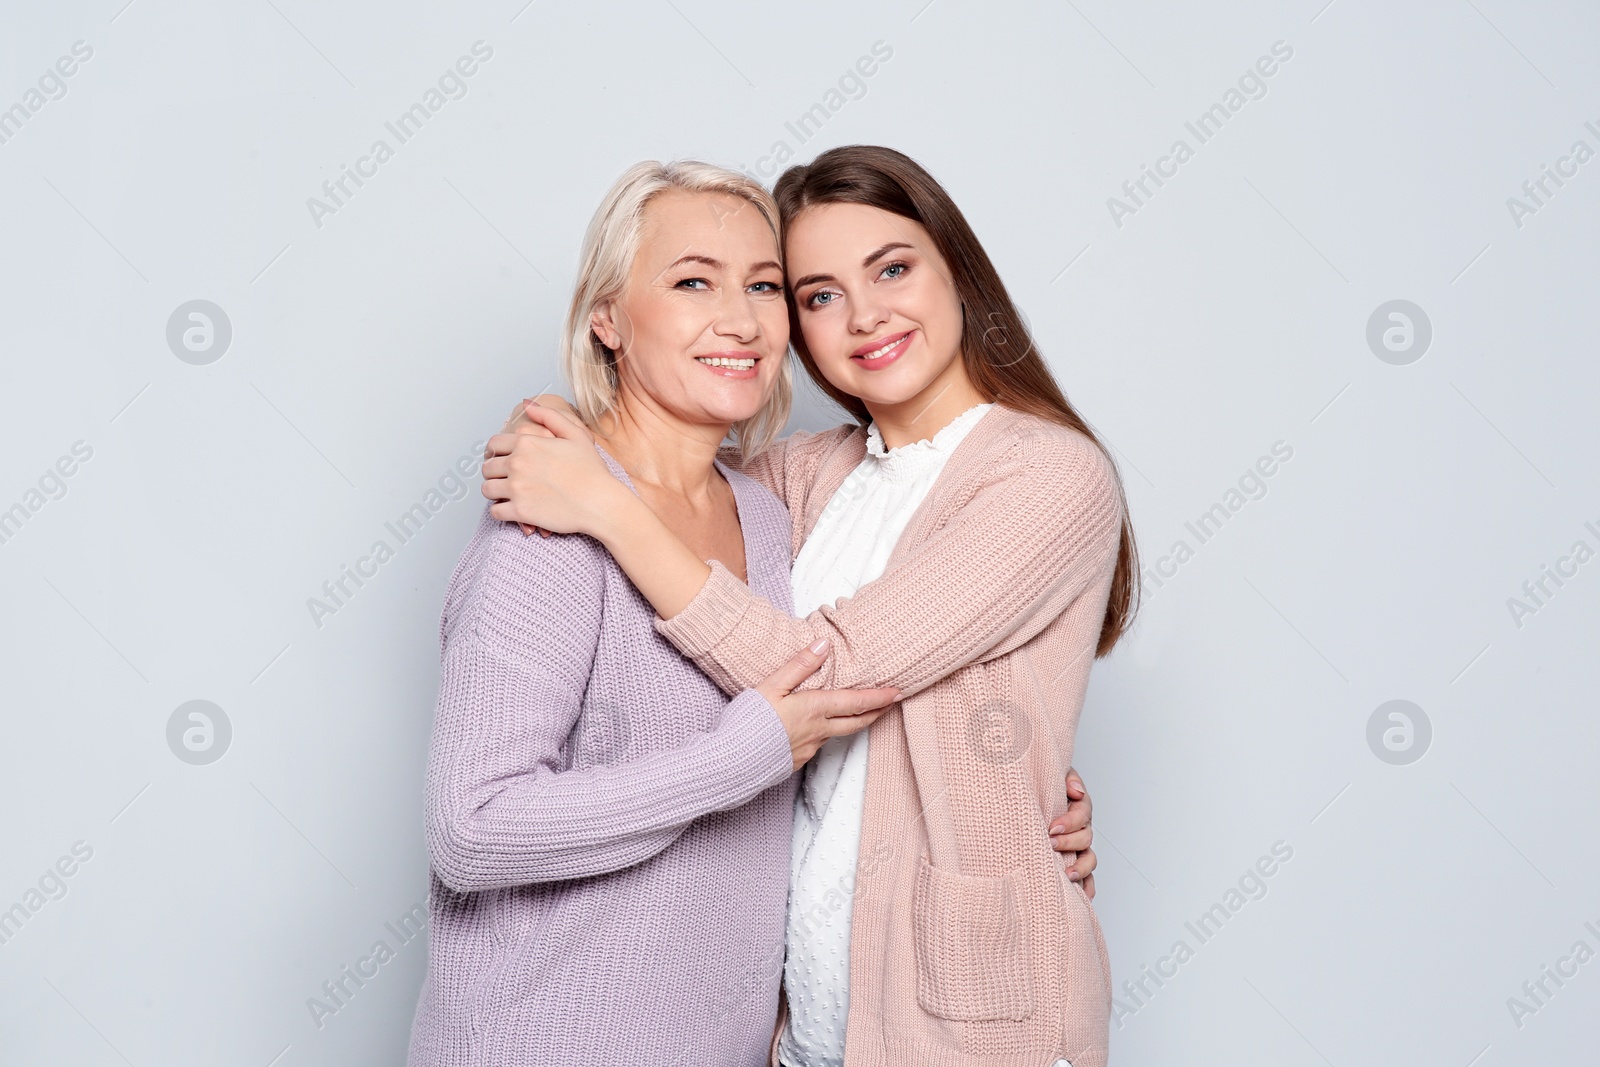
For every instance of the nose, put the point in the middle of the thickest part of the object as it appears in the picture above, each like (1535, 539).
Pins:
(736, 316)
(867, 312)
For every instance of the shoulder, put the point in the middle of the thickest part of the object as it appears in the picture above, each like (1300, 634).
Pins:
(1059, 447)
(799, 448)
(1051, 465)
(820, 442)
(500, 550)
(520, 592)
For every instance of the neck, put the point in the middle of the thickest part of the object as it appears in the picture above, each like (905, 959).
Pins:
(930, 411)
(659, 448)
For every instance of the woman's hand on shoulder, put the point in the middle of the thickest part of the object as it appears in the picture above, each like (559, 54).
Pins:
(547, 474)
(518, 422)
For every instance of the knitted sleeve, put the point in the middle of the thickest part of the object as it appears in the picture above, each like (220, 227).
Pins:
(500, 808)
(1037, 530)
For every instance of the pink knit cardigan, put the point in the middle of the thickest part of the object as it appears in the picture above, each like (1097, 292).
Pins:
(968, 944)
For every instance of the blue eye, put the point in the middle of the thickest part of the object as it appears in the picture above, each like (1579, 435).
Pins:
(695, 281)
(900, 267)
(816, 299)
(767, 287)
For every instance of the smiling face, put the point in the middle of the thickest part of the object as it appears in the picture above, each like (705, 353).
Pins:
(877, 305)
(701, 329)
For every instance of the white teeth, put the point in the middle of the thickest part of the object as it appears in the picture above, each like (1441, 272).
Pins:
(719, 361)
(876, 352)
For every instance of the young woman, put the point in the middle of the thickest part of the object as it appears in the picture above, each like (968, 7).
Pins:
(966, 541)
(609, 834)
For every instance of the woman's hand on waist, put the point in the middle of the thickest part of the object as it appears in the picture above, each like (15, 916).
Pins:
(1074, 832)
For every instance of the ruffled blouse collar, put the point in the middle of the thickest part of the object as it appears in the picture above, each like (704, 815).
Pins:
(941, 444)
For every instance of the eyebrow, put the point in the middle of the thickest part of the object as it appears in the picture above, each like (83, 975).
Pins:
(717, 263)
(707, 260)
(881, 252)
(871, 258)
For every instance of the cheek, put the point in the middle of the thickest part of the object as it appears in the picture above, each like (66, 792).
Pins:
(664, 325)
(774, 318)
(830, 346)
(822, 333)
(939, 310)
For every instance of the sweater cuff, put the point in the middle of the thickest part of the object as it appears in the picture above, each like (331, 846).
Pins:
(760, 737)
(711, 616)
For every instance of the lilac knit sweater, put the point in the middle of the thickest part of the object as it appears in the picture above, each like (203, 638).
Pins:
(609, 833)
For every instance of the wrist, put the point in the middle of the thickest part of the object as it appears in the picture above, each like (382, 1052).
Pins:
(616, 509)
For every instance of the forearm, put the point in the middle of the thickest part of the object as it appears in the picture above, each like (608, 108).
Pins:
(737, 639)
(498, 817)
(1034, 537)
(664, 569)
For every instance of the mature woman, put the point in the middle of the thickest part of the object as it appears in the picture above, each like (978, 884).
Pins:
(966, 541)
(609, 834)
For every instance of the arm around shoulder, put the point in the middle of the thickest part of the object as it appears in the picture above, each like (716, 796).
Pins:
(1040, 526)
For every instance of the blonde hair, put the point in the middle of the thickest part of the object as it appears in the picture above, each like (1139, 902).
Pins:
(609, 248)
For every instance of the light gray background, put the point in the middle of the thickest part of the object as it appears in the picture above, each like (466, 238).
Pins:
(1228, 313)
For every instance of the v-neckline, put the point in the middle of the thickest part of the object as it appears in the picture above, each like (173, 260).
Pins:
(740, 505)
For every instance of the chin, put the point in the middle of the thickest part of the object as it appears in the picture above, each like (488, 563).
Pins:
(888, 392)
(729, 412)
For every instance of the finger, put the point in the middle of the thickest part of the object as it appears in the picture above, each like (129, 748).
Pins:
(1078, 796)
(525, 424)
(501, 444)
(843, 725)
(1073, 824)
(841, 702)
(556, 401)
(798, 667)
(526, 529)
(559, 423)
(498, 489)
(1088, 887)
(1071, 842)
(1075, 819)
(1085, 864)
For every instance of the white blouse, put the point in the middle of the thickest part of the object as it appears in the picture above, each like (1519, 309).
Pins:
(848, 547)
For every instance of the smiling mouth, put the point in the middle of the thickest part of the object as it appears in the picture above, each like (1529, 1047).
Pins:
(886, 351)
(725, 361)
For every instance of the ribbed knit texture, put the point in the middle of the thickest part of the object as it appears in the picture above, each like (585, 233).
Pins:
(609, 834)
(969, 946)
(849, 547)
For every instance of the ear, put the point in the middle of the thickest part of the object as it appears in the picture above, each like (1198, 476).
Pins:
(604, 326)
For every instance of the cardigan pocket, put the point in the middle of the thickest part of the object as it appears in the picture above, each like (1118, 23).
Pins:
(971, 945)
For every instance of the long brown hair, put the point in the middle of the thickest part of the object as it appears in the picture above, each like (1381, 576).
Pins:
(997, 347)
